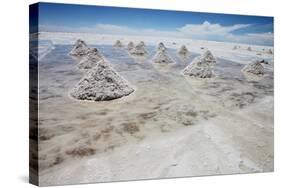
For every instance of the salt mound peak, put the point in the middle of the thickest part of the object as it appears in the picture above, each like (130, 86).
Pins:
(91, 59)
(139, 49)
(162, 57)
(198, 69)
(183, 51)
(79, 49)
(208, 58)
(161, 46)
(130, 46)
(142, 43)
(255, 68)
(102, 83)
(201, 67)
(118, 44)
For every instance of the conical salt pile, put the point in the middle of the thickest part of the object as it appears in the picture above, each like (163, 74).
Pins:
(118, 44)
(183, 51)
(79, 49)
(130, 46)
(91, 59)
(101, 84)
(208, 57)
(201, 67)
(255, 68)
(269, 51)
(139, 49)
(161, 46)
(162, 57)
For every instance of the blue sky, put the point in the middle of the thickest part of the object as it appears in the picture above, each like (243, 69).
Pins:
(127, 21)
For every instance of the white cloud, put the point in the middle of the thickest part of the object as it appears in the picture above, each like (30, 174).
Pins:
(207, 28)
(204, 31)
(113, 29)
(252, 38)
(123, 30)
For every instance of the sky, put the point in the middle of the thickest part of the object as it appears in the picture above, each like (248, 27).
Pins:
(162, 23)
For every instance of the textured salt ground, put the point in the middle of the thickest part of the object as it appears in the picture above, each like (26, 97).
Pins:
(177, 126)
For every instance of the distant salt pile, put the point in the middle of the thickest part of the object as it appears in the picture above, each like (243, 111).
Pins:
(249, 48)
(201, 67)
(208, 57)
(91, 59)
(183, 51)
(255, 68)
(161, 46)
(162, 57)
(118, 44)
(269, 51)
(142, 43)
(139, 49)
(130, 46)
(79, 49)
(102, 83)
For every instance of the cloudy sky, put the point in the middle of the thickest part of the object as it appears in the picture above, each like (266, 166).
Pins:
(124, 21)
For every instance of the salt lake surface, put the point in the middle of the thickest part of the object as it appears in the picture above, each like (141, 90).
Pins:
(171, 126)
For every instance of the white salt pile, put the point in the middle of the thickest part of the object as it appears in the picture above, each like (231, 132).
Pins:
(161, 46)
(102, 83)
(139, 49)
(91, 59)
(79, 49)
(183, 51)
(130, 46)
(208, 57)
(201, 67)
(255, 68)
(162, 57)
(118, 44)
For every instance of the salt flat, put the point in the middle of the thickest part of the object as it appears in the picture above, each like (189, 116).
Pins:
(171, 126)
